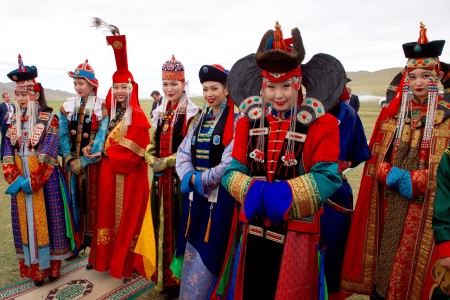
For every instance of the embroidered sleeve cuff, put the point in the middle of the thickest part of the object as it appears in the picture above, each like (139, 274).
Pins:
(26, 186)
(253, 203)
(15, 186)
(419, 180)
(383, 171)
(236, 184)
(185, 182)
(277, 201)
(443, 249)
(305, 196)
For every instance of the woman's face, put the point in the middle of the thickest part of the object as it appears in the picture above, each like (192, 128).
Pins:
(22, 98)
(173, 89)
(418, 82)
(214, 93)
(279, 95)
(82, 87)
(120, 91)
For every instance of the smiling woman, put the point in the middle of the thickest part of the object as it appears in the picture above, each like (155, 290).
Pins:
(170, 124)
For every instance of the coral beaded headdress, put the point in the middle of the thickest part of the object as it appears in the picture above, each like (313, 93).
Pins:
(25, 78)
(425, 55)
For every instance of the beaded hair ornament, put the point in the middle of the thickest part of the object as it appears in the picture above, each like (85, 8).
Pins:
(423, 54)
(279, 60)
(25, 78)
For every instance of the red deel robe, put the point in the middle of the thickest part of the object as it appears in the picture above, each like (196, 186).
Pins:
(123, 195)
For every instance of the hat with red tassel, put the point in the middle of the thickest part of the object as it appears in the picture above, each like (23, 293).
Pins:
(24, 76)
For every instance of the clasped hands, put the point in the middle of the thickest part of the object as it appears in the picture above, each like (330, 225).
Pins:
(268, 199)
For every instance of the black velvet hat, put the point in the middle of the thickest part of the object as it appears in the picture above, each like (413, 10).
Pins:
(430, 49)
(423, 48)
(215, 73)
(23, 73)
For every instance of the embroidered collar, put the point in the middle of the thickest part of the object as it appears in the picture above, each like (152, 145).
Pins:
(282, 115)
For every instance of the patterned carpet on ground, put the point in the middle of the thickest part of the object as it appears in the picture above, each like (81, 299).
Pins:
(76, 282)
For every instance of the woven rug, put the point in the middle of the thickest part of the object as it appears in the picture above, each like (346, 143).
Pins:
(76, 282)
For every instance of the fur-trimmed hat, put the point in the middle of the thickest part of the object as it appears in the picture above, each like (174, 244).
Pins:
(173, 69)
(215, 73)
(85, 71)
(278, 59)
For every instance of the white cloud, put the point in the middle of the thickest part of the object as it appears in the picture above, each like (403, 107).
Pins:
(56, 35)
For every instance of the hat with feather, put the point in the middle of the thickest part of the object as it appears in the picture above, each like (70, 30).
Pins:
(119, 44)
(122, 75)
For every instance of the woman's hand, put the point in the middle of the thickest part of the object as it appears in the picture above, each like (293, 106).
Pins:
(86, 150)
(445, 262)
(97, 154)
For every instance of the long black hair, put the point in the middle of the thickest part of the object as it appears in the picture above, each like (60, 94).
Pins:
(42, 102)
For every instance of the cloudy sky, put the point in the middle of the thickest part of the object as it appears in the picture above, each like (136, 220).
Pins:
(56, 36)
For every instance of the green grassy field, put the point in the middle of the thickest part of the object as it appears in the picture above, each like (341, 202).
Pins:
(9, 268)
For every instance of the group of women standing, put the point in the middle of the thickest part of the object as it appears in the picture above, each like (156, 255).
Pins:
(236, 198)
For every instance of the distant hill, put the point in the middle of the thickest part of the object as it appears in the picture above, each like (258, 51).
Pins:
(371, 83)
(50, 95)
(363, 83)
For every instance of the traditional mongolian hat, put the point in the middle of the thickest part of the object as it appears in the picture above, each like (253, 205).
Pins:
(122, 75)
(323, 77)
(173, 69)
(84, 71)
(218, 73)
(25, 76)
(423, 54)
(276, 60)
(215, 73)
(119, 44)
(280, 58)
